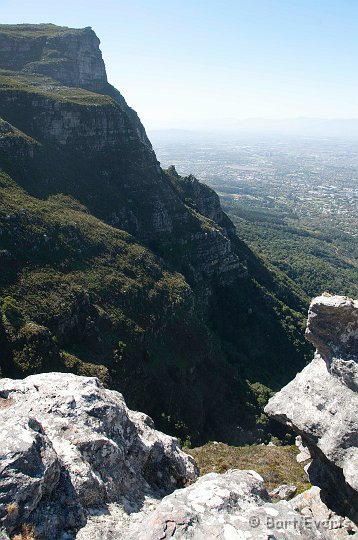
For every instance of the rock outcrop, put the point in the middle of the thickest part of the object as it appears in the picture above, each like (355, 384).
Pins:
(231, 506)
(321, 403)
(75, 462)
(15, 143)
(68, 447)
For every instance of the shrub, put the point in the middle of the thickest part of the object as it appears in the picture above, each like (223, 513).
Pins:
(27, 533)
(12, 508)
(11, 311)
(276, 464)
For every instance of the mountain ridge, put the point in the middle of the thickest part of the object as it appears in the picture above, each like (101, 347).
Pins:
(113, 267)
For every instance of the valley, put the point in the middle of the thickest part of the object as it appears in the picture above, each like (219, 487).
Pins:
(293, 200)
(112, 267)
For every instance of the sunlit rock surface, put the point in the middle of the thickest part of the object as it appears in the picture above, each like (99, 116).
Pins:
(321, 403)
(68, 446)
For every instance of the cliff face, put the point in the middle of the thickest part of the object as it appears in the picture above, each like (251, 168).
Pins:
(136, 194)
(72, 57)
(112, 266)
(321, 403)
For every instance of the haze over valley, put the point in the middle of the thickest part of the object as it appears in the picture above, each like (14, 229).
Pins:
(293, 199)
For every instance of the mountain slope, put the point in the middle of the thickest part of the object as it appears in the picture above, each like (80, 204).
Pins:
(112, 266)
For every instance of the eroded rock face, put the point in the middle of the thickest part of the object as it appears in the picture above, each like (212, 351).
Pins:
(321, 403)
(68, 446)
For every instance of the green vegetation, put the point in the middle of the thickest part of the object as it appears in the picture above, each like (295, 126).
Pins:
(33, 30)
(318, 257)
(104, 305)
(80, 295)
(276, 464)
(36, 86)
(109, 268)
(11, 311)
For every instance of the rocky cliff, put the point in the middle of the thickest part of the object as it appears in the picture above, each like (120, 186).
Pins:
(110, 266)
(321, 403)
(71, 57)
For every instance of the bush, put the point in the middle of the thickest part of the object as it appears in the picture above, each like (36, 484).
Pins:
(276, 464)
(11, 312)
(86, 369)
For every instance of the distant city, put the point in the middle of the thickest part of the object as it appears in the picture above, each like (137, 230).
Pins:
(304, 177)
(293, 200)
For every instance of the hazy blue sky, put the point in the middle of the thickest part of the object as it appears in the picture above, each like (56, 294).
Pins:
(184, 62)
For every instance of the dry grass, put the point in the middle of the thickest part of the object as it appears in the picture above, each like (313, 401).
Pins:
(27, 533)
(276, 464)
(12, 507)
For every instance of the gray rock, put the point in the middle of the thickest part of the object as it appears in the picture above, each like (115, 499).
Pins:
(30, 468)
(304, 454)
(230, 506)
(310, 504)
(69, 445)
(77, 463)
(284, 492)
(321, 403)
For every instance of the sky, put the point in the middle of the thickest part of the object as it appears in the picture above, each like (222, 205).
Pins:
(187, 63)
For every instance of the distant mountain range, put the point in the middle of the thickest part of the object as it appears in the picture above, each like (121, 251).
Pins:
(307, 127)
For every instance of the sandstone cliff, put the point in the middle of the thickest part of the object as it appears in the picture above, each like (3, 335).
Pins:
(71, 57)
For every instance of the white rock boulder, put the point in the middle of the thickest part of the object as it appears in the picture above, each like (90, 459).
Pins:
(68, 445)
(321, 403)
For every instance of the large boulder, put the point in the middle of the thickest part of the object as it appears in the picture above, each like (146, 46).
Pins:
(321, 403)
(70, 448)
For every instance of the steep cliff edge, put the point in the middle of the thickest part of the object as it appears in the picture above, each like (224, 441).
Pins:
(112, 267)
(321, 403)
(70, 56)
